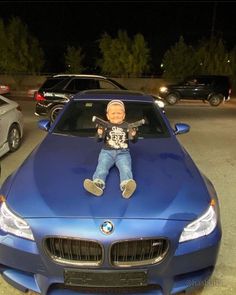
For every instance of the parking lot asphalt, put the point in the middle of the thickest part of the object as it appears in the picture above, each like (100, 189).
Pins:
(211, 143)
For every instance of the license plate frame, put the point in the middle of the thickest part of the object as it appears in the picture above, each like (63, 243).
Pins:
(105, 278)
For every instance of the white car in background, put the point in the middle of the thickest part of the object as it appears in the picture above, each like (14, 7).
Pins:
(11, 125)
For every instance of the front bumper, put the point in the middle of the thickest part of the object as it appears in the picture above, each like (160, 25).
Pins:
(26, 265)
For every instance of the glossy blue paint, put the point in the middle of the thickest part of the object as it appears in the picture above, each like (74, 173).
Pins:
(44, 124)
(69, 162)
(47, 192)
(181, 128)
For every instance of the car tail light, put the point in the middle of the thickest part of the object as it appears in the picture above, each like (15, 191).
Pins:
(4, 87)
(38, 96)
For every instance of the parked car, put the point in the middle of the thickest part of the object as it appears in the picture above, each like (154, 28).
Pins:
(4, 89)
(55, 238)
(56, 91)
(213, 89)
(11, 125)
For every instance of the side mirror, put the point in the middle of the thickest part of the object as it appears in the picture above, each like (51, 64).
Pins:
(181, 128)
(44, 124)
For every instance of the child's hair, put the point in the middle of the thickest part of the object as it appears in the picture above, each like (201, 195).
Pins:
(115, 101)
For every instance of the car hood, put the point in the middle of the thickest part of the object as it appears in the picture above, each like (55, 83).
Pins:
(50, 182)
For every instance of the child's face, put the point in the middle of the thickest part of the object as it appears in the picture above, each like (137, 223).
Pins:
(116, 114)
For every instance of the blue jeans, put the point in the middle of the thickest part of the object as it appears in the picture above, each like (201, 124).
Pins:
(108, 158)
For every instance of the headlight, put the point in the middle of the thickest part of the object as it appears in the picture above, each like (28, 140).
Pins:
(202, 226)
(13, 224)
(160, 103)
(163, 89)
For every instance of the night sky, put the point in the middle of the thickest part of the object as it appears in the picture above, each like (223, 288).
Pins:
(57, 24)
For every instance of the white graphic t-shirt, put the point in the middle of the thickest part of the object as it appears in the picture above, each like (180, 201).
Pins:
(116, 136)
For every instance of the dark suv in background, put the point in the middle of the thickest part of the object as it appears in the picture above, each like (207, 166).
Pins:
(57, 90)
(212, 88)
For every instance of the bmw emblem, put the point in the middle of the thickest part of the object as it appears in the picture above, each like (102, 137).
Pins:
(107, 227)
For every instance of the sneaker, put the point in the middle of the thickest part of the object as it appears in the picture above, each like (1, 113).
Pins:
(94, 188)
(129, 188)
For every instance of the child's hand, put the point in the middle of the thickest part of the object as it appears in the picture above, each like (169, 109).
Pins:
(133, 132)
(100, 131)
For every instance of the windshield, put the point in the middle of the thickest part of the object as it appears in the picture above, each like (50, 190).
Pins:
(77, 118)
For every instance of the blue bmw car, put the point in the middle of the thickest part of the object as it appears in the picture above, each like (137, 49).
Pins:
(57, 239)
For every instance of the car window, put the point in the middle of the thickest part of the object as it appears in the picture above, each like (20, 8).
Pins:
(106, 85)
(191, 81)
(52, 82)
(198, 81)
(2, 102)
(77, 118)
(82, 84)
(119, 86)
(205, 81)
(222, 81)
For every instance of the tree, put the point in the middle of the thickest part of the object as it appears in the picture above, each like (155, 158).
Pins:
(232, 65)
(209, 57)
(179, 61)
(36, 57)
(21, 50)
(213, 57)
(3, 47)
(140, 56)
(73, 60)
(114, 53)
(123, 56)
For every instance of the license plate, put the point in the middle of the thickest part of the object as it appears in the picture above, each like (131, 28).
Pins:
(94, 278)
